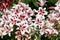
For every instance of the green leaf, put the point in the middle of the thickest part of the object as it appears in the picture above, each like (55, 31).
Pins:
(0, 14)
(15, 1)
(53, 1)
(36, 4)
(37, 38)
(26, 1)
(34, 1)
(58, 26)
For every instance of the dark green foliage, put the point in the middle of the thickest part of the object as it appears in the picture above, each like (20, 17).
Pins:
(15, 1)
(52, 1)
(0, 14)
(32, 3)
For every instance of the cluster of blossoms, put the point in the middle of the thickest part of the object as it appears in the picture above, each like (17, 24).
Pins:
(47, 26)
(5, 4)
(25, 18)
(51, 24)
(19, 15)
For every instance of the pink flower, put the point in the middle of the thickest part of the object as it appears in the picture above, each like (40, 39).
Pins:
(18, 34)
(5, 4)
(42, 2)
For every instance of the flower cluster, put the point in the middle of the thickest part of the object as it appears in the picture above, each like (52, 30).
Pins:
(47, 26)
(5, 4)
(26, 19)
(19, 15)
(51, 24)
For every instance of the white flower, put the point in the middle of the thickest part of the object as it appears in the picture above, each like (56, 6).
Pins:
(11, 25)
(42, 31)
(18, 24)
(41, 11)
(4, 33)
(48, 24)
(42, 2)
(40, 17)
(57, 7)
(16, 6)
(58, 2)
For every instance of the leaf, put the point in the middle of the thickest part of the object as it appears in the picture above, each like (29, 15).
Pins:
(36, 4)
(52, 1)
(26, 1)
(58, 26)
(34, 1)
(37, 38)
(15, 1)
(0, 14)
